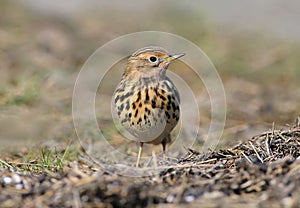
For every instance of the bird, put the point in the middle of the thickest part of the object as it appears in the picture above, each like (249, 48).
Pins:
(146, 102)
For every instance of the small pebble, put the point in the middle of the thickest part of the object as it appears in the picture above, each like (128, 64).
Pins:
(16, 178)
(189, 198)
(18, 186)
(7, 180)
(85, 198)
(170, 198)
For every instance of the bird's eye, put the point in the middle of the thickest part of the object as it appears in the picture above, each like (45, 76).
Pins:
(153, 59)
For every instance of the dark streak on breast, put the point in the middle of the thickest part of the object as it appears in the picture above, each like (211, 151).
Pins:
(147, 96)
(136, 113)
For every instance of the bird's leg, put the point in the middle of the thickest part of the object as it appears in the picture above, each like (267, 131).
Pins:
(139, 155)
(164, 143)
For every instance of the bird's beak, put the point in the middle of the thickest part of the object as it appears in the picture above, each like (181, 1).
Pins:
(173, 57)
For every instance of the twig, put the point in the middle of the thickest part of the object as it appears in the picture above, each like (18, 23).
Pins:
(8, 165)
(267, 145)
(273, 128)
(247, 158)
(155, 162)
(258, 156)
(281, 136)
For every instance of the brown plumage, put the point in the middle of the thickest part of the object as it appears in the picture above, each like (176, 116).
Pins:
(146, 101)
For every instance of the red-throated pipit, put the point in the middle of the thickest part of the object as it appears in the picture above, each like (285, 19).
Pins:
(146, 101)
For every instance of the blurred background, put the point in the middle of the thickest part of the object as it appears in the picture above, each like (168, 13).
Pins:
(255, 47)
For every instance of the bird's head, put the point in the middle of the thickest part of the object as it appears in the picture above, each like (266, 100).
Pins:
(150, 61)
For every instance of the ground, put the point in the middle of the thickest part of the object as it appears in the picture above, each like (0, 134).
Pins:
(261, 172)
(42, 164)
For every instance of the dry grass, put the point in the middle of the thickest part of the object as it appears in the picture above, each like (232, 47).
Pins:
(252, 172)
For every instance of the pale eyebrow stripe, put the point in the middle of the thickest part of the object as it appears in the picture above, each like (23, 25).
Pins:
(150, 49)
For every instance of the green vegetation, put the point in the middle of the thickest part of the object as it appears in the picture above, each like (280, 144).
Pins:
(40, 159)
